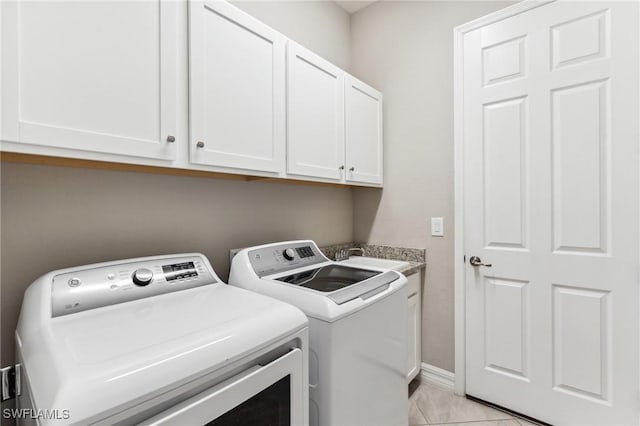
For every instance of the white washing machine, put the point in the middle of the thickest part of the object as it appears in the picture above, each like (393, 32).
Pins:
(158, 340)
(357, 330)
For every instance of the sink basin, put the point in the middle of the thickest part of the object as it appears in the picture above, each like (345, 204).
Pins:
(374, 262)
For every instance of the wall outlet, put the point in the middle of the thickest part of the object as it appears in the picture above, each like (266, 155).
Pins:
(437, 227)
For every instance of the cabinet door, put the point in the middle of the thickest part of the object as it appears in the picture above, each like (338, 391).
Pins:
(237, 94)
(315, 115)
(413, 338)
(363, 132)
(90, 76)
(414, 330)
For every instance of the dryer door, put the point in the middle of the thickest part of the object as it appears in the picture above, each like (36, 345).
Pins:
(270, 394)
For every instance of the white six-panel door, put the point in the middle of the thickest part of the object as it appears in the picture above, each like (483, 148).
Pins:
(551, 193)
(91, 76)
(236, 89)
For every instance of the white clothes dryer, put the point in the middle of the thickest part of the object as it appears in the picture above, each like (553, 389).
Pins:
(357, 329)
(158, 340)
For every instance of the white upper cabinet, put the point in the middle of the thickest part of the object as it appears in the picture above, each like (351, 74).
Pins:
(334, 122)
(315, 115)
(363, 130)
(109, 81)
(85, 76)
(237, 89)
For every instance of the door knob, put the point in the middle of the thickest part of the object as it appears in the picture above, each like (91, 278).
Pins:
(476, 261)
(200, 144)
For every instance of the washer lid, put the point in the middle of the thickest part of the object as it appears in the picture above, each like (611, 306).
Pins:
(101, 361)
(329, 278)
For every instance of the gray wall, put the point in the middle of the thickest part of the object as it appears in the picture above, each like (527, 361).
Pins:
(321, 26)
(405, 50)
(54, 217)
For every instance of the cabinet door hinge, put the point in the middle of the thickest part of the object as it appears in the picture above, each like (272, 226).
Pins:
(11, 383)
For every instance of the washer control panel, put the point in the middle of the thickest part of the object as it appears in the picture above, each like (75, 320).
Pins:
(113, 283)
(284, 257)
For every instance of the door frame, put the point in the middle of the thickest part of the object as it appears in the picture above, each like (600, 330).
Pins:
(458, 142)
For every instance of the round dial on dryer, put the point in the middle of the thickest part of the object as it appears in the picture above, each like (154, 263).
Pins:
(289, 254)
(142, 277)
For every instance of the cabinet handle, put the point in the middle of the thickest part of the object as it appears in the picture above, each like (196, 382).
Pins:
(171, 138)
(351, 168)
(341, 167)
(200, 144)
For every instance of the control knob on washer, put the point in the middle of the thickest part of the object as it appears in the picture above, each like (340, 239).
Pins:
(288, 254)
(142, 277)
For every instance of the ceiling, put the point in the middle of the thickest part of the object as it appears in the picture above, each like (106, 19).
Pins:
(354, 5)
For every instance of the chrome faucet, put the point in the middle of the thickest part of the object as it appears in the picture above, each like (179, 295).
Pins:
(343, 254)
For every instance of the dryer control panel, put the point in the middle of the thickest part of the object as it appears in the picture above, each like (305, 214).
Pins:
(283, 257)
(118, 282)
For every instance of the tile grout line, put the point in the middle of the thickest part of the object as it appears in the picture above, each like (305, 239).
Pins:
(509, 417)
(470, 422)
(421, 412)
(424, 416)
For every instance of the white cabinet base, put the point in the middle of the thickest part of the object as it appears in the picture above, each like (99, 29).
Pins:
(414, 330)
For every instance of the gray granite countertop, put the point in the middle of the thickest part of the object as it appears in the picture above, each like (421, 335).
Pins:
(412, 268)
(415, 257)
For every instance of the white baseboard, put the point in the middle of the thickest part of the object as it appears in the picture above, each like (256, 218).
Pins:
(437, 376)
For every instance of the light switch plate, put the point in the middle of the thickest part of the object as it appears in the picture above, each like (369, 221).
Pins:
(437, 227)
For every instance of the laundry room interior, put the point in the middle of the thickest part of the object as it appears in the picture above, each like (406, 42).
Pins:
(490, 148)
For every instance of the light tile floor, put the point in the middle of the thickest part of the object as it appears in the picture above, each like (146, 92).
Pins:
(432, 405)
